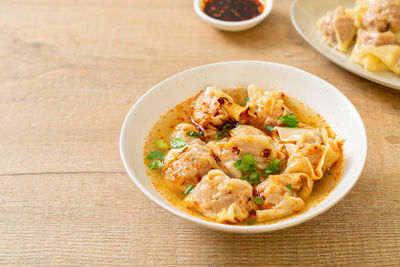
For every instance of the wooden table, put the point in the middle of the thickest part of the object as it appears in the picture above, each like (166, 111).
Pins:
(70, 71)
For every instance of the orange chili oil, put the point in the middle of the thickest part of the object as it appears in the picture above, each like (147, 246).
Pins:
(233, 10)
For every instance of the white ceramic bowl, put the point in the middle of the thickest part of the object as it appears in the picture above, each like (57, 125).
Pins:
(233, 26)
(336, 109)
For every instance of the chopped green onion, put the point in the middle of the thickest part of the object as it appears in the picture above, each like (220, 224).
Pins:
(289, 186)
(178, 143)
(269, 128)
(251, 222)
(156, 154)
(161, 144)
(258, 200)
(155, 164)
(247, 179)
(273, 167)
(225, 130)
(193, 134)
(246, 164)
(252, 178)
(289, 120)
(189, 189)
(247, 99)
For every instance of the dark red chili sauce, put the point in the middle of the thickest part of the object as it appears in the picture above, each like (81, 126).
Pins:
(233, 10)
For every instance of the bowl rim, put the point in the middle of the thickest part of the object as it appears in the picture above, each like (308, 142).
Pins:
(268, 4)
(246, 229)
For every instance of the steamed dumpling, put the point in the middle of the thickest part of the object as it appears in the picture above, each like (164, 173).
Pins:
(377, 51)
(265, 107)
(310, 151)
(338, 28)
(281, 195)
(186, 166)
(222, 198)
(262, 148)
(212, 109)
(380, 15)
(182, 130)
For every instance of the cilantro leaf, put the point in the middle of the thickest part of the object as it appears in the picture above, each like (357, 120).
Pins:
(273, 167)
(255, 176)
(189, 189)
(178, 143)
(246, 164)
(224, 131)
(289, 120)
(156, 154)
(193, 134)
(289, 186)
(258, 200)
(155, 164)
(252, 178)
(161, 144)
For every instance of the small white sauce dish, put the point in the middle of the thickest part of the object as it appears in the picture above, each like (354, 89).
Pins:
(233, 26)
(323, 97)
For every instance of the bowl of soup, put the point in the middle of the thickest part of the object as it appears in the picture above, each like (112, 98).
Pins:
(244, 146)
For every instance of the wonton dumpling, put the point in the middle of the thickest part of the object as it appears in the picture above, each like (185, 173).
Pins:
(379, 15)
(279, 200)
(213, 108)
(228, 152)
(182, 130)
(310, 151)
(245, 130)
(219, 197)
(266, 106)
(377, 51)
(299, 135)
(338, 27)
(186, 166)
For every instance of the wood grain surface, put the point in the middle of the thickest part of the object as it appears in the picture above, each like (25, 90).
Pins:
(70, 71)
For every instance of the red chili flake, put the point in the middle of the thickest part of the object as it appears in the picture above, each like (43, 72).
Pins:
(266, 206)
(256, 193)
(235, 149)
(221, 100)
(266, 152)
(252, 215)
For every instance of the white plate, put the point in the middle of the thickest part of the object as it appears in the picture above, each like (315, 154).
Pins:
(304, 15)
(320, 95)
